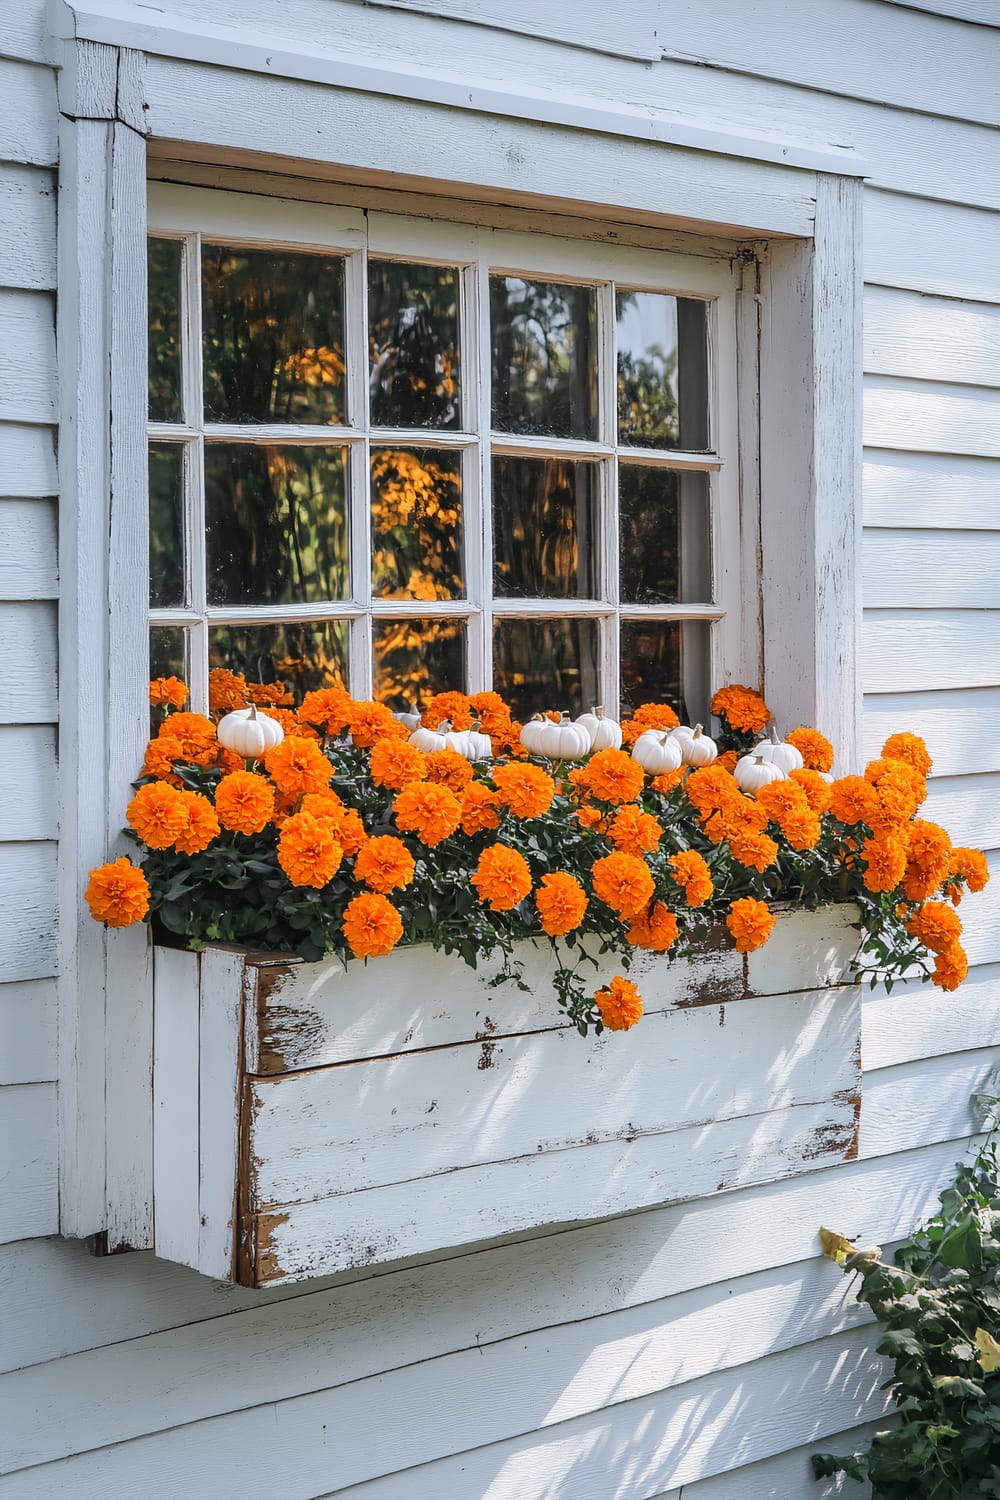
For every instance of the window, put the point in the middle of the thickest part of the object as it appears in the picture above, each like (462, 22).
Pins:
(409, 456)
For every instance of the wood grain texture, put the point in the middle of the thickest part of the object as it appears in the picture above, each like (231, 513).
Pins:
(29, 1203)
(28, 122)
(28, 243)
(590, 25)
(962, 729)
(27, 460)
(22, 30)
(979, 12)
(29, 550)
(909, 650)
(28, 1031)
(931, 569)
(936, 491)
(175, 1110)
(931, 418)
(930, 1099)
(28, 631)
(28, 774)
(931, 338)
(917, 1021)
(28, 899)
(981, 932)
(27, 357)
(933, 247)
(968, 806)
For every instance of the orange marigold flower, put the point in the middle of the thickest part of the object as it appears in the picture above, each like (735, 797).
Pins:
(742, 708)
(479, 809)
(908, 747)
(451, 705)
(307, 850)
(385, 864)
(324, 804)
(288, 722)
(816, 788)
(201, 824)
(270, 694)
(244, 802)
(751, 923)
(117, 894)
(971, 866)
(950, 967)
(348, 829)
(492, 713)
(612, 776)
(448, 768)
(169, 691)
(802, 830)
(815, 748)
(634, 831)
(372, 926)
(395, 763)
(620, 1004)
(935, 925)
(374, 721)
(655, 930)
(779, 799)
(885, 862)
(623, 882)
(590, 817)
(196, 736)
(727, 761)
(158, 814)
(928, 859)
(669, 781)
(329, 709)
(561, 902)
(900, 790)
(161, 754)
(526, 789)
(431, 812)
(226, 690)
(228, 760)
(502, 877)
(298, 766)
(711, 789)
(853, 800)
(755, 850)
(692, 874)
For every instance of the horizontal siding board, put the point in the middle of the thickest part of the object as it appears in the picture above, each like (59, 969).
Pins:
(928, 418)
(28, 776)
(918, 1021)
(29, 1203)
(979, 12)
(931, 490)
(28, 215)
(27, 460)
(980, 928)
(962, 729)
(28, 901)
(926, 246)
(636, 36)
(968, 806)
(30, 116)
(909, 650)
(28, 633)
(23, 30)
(932, 569)
(29, 550)
(28, 1032)
(27, 357)
(928, 1100)
(931, 338)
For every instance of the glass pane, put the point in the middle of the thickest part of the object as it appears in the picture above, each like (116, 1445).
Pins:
(414, 659)
(301, 656)
(276, 522)
(544, 357)
(662, 371)
(417, 524)
(166, 525)
(413, 345)
(545, 529)
(664, 536)
(272, 335)
(546, 664)
(164, 271)
(666, 661)
(168, 651)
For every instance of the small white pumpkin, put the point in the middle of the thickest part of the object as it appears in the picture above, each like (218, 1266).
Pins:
(753, 771)
(248, 733)
(531, 734)
(411, 718)
(563, 741)
(605, 734)
(471, 743)
(657, 752)
(697, 749)
(783, 755)
(429, 740)
(683, 732)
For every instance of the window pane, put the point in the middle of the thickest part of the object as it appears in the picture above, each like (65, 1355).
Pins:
(164, 271)
(168, 651)
(166, 525)
(666, 661)
(664, 536)
(272, 335)
(413, 345)
(544, 357)
(417, 524)
(414, 659)
(302, 656)
(662, 371)
(276, 519)
(545, 529)
(546, 664)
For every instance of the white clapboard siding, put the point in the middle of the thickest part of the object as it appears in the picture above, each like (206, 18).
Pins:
(938, 569)
(962, 729)
(29, 559)
(931, 418)
(28, 632)
(930, 1099)
(29, 1202)
(28, 1031)
(29, 118)
(27, 460)
(931, 490)
(636, 36)
(28, 776)
(28, 214)
(979, 12)
(968, 806)
(931, 247)
(918, 1021)
(22, 30)
(931, 338)
(905, 650)
(981, 932)
(28, 902)
(27, 356)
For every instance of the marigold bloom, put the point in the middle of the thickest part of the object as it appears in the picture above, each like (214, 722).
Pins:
(908, 747)
(158, 814)
(288, 722)
(384, 864)
(935, 925)
(479, 809)
(751, 923)
(950, 968)
(634, 831)
(612, 776)
(669, 781)
(815, 748)
(372, 926)
(885, 862)
(373, 721)
(620, 1004)
(655, 930)
(329, 709)
(161, 755)
(167, 691)
(196, 736)
(561, 902)
(853, 800)
(526, 789)
(900, 790)
(324, 804)
(622, 882)
(201, 824)
(431, 812)
(270, 694)
(816, 788)
(348, 829)
(590, 817)
(451, 705)
(448, 768)
(928, 859)
(648, 716)
(298, 766)
(307, 850)
(755, 850)
(394, 763)
(117, 894)
(502, 877)
(226, 690)
(727, 761)
(971, 865)
(742, 708)
(711, 789)
(244, 802)
(492, 713)
(692, 874)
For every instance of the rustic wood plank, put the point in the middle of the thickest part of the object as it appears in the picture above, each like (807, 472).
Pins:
(943, 248)
(219, 1055)
(918, 1021)
(925, 1101)
(28, 774)
(932, 569)
(29, 1203)
(28, 1031)
(23, 31)
(930, 338)
(28, 631)
(28, 900)
(175, 1106)
(636, 37)
(28, 244)
(27, 460)
(962, 728)
(931, 490)
(28, 126)
(29, 555)
(910, 414)
(906, 650)
(27, 357)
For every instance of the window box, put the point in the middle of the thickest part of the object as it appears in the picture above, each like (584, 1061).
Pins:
(310, 1120)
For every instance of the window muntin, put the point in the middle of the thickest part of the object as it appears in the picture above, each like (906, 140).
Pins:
(439, 525)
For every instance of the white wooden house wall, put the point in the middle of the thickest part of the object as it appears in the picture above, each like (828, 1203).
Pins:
(701, 1347)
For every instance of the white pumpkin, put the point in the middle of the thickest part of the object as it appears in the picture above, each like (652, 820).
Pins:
(683, 731)
(563, 741)
(471, 743)
(697, 749)
(605, 734)
(429, 740)
(783, 755)
(531, 734)
(248, 733)
(753, 771)
(657, 752)
(411, 718)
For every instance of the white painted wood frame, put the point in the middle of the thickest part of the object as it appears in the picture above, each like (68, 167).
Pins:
(791, 218)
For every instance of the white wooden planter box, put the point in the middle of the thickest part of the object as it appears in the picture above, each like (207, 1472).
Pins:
(308, 1119)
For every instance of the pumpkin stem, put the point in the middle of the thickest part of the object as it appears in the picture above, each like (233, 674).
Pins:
(598, 712)
(251, 716)
(697, 732)
(774, 735)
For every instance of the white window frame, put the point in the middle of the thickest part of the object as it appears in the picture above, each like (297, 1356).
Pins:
(136, 84)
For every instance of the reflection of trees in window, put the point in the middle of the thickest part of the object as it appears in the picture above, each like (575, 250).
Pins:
(544, 357)
(544, 521)
(414, 659)
(416, 524)
(647, 378)
(164, 271)
(302, 655)
(413, 345)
